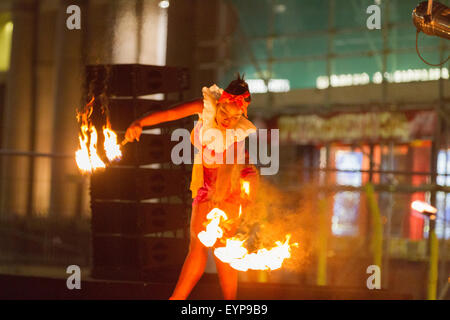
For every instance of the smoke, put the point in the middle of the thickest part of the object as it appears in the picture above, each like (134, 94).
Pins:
(276, 213)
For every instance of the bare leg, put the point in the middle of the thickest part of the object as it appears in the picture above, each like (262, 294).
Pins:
(228, 278)
(195, 262)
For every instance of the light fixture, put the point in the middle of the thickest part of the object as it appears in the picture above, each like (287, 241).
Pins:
(275, 85)
(279, 8)
(424, 208)
(164, 4)
(9, 26)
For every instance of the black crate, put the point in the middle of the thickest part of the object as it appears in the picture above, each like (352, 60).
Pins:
(117, 183)
(150, 149)
(123, 112)
(123, 227)
(137, 218)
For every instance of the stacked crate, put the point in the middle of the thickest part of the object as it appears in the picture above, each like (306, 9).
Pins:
(140, 204)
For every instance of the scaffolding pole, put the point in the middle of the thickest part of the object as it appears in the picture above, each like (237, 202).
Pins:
(377, 227)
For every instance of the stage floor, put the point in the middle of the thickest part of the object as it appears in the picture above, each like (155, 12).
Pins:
(37, 283)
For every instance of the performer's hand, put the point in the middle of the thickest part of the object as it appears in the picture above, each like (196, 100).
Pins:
(133, 132)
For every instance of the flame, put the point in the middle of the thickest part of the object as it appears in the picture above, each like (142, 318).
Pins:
(82, 155)
(245, 191)
(112, 149)
(213, 231)
(264, 259)
(96, 162)
(245, 187)
(86, 157)
(234, 253)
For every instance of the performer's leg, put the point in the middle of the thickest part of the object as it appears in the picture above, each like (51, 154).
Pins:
(228, 278)
(195, 262)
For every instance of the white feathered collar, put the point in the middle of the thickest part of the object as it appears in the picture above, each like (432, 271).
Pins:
(207, 121)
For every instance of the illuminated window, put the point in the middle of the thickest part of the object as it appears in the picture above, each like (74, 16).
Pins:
(164, 4)
(443, 204)
(346, 204)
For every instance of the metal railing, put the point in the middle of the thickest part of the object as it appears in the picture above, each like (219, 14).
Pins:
(43, 238)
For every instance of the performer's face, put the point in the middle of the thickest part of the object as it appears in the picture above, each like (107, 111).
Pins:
(228, 115)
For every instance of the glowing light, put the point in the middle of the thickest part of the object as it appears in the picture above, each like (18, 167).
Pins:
(112, 149)
(96, 162)
(377, 77)
(164, 4)
(279, 8)
(398, 76)
(322, 82)
(213, 231)
(6, 31)
(246, 187)
(86, 157)
(82, 155)
(422, 207)
(9, 27)
(264, 259)
(275, 85)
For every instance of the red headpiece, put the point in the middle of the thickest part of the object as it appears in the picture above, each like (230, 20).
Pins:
(241, 100)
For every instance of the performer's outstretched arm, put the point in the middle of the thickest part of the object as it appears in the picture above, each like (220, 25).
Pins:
(182, 110)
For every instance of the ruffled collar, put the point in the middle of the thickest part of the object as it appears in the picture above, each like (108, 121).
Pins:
(243, 128)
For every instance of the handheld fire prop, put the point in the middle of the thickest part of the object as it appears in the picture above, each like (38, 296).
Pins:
(234, 252)
(86, 156)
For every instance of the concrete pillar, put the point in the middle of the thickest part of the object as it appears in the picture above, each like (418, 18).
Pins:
(153, 33)
(100, 23)
(140, 32)
(43, 134)
(183, 26)
(17, 122)
(69, 75)
(126, 32)
(222, 47)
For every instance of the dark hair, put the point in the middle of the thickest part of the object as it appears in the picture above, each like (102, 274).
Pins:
(238, 86)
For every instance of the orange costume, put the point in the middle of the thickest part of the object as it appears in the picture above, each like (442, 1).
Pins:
(216, 184)
(212, 181)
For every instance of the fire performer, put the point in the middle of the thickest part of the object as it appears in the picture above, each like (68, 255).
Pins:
(215, 182)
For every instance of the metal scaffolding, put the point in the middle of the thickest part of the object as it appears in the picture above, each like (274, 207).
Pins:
(440, 106)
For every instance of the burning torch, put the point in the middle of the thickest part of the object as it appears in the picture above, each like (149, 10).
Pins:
(133, 132)
(87, 156)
